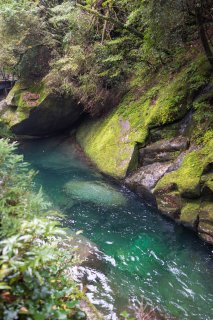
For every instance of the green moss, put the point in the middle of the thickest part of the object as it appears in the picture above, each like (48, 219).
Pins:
(101, 141)
(110, 142)
(189, 213)
(205, 226)
(209, 185)
(188, 176)
(19, 104)
(206, 212)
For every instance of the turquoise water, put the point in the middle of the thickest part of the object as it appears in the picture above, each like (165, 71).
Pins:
(142, 254)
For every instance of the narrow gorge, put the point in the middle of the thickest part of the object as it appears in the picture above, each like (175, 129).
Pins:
(106, 160)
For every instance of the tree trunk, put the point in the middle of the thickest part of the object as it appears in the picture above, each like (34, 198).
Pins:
(203, 35)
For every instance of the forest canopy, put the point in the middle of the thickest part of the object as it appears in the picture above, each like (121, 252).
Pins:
(71, 42)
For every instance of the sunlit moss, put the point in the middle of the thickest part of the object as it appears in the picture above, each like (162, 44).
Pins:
(188, 177)
(110, 142)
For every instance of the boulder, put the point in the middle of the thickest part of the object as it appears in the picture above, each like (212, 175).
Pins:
(148, 176)
(163, 150)
(205, 226)
(3, 106)
(176, 144)
(207, 184)
(188, 176)
(33, 110)
(169, 203)
(186, 194)
(189, 216)
(173, 130)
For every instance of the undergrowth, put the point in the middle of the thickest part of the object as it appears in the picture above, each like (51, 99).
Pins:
(33, 282)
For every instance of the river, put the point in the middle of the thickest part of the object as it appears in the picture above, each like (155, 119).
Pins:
(143, 254)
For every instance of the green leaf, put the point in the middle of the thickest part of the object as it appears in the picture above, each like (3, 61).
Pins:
(124, 314)
(72, 304)
(4, 286)
(61, 315)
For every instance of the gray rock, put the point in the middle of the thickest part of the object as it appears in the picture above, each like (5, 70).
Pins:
(163, 150)
(169, 201)
(148, 176)
(176, 144)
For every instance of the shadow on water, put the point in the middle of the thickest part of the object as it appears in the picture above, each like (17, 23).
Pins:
(143, 253)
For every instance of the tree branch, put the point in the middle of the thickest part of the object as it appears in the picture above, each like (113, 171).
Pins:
(110, 19)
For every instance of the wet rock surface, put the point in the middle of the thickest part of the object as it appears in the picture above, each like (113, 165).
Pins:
(155, 161)
(163, 150)
(148, 175)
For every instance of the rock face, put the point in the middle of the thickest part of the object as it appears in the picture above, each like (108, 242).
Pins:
(159, 140)
(182, 191)
(112, 142)
(163, 150)
(155, 160)
(34, 111)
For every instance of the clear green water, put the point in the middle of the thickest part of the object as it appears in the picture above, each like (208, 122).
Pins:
(143, 253)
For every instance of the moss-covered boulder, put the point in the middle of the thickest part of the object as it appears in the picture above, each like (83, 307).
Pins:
(35, 111)
(189, 191)
(111, 142)
(188, 177)
(189, 215)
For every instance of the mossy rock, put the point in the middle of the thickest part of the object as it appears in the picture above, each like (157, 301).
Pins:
(190, 214)
(35, 111)
(192, 185)
(111, 141)
(206, 212)
(170, 204)
(205, 227)
(188, 177)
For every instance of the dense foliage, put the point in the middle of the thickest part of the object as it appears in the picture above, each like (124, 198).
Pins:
(33, 283)
(90, 48)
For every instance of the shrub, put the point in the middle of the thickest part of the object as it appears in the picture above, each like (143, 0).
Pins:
(33, 281)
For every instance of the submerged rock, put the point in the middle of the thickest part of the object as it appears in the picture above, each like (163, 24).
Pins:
(84, 249)
(96, 192)
(32, 110)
